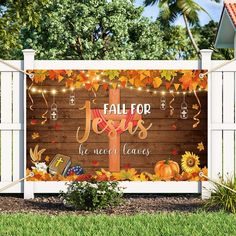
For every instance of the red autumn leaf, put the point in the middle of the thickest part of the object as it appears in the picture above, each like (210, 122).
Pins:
(95, 163)
(84, 177)
(168, 85)
(174, 152)
(203, 83)
(174, 127)
(88, 86)
(57, 126)
(105, 86)
(134, 74)
(149, 80)
(123, 84)
(83, 76)
(33, 122)
(52, 74)
(127, 166)
(102, 177)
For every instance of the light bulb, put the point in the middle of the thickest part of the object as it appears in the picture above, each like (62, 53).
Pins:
(33, 89)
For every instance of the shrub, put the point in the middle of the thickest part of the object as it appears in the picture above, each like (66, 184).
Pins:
(222, 197)
(92, 195)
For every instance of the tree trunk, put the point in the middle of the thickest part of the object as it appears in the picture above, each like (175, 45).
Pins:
(191, 36)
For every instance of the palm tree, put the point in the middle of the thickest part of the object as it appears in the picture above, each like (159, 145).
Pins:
(170, 10)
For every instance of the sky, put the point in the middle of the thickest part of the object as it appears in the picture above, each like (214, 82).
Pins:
(213, 8)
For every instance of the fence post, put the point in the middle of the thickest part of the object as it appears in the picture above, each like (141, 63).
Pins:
(206, 65)
(28, 65)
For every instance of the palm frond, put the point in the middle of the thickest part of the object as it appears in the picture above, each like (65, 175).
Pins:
(190, 8)
(164, 11)
(150, 2)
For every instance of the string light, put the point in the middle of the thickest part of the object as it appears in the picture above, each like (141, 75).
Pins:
(53, 91)
(33, 90)
(154, 91)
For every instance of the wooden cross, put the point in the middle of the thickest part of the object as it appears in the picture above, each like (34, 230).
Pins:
(114, 142)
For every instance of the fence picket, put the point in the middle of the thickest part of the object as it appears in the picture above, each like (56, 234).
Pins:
(6, 118)
(18, 154)
(228, 118)
(216, 102)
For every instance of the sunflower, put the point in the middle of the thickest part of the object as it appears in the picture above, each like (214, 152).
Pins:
(190, 162)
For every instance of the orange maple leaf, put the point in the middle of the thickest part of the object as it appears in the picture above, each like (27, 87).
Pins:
(187, 80)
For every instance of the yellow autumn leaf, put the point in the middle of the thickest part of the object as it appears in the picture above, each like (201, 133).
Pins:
(104, 172)
(145, 74)
(114, 85)
(47, 159)
(69, 72)
(77, 84)
(143, 177)
(168, 74)
(112, 74)
(60, 78)
(123, 78)
(125, 174)
(200, 146)
(96, 86)
(35, 135)
(176, 86)
(157, 82)
(131, 81)
(195, 107)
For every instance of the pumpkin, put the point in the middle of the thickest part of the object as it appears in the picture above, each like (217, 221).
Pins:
(166, 169)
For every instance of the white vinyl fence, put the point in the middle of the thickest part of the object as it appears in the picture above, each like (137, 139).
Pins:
(221, 122)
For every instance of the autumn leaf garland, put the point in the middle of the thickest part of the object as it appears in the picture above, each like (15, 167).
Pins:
(188, 80)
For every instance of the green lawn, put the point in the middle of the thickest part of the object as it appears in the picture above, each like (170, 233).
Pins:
(178, 224)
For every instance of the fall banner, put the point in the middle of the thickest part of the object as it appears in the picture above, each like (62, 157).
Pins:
(121, 125)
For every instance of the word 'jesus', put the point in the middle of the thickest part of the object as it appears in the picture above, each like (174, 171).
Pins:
(119, 109)
(110, 124)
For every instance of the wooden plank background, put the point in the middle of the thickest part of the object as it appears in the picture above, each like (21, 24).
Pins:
(59, 136)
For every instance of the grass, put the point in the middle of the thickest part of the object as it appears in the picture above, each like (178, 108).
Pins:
(216, 223)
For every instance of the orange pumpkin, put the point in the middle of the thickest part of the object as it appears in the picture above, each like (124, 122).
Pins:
(166, 169)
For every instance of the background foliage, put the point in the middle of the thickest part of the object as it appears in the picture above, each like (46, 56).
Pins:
(94, 29)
